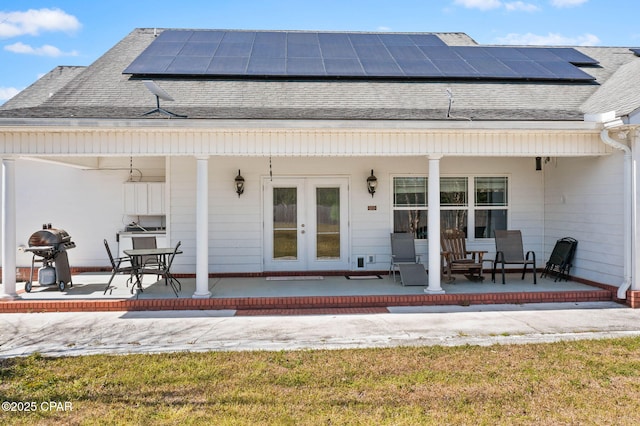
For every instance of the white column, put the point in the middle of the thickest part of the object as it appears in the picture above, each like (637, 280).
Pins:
(202, 229)
(635, 216)
(8, 229)
(433, 225)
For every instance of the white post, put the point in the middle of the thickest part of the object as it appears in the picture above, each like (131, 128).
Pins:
(635, 200)
(202, 229)
(433, 226)
(8, 229)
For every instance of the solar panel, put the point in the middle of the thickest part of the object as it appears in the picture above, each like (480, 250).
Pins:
(305, 66)
(217, 53)
(573, 56)
(635, 51)
(336, 46)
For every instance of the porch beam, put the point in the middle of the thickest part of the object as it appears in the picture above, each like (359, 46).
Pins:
(202, 228)
(433, 226)
(81, 142)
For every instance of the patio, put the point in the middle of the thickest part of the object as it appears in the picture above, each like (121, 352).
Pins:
(289, 295)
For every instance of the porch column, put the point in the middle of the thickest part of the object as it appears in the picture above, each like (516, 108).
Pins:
(202, 229)
(8, 229)
(635, 210)
(433, 226)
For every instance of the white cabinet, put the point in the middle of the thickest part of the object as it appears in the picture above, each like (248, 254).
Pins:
(144, 198)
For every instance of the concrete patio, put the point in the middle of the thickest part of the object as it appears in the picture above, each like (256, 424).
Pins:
(284, 294)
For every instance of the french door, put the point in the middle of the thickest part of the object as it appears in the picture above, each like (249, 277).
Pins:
(306, 224)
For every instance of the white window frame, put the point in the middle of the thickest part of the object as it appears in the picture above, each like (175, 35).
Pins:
(471, 207)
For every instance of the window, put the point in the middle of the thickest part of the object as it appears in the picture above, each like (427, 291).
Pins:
(454, 206)
(490, 205)
(410, 205)
(478, 203)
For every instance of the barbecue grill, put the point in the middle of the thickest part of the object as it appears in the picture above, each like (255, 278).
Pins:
(49, 246)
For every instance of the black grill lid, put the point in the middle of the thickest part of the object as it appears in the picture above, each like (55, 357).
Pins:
(49, 237)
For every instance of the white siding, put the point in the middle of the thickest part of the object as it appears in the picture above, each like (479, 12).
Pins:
(584, 200)
(88, 204)
(235, 224)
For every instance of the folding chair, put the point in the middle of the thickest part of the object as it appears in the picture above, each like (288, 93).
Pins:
(117, 267)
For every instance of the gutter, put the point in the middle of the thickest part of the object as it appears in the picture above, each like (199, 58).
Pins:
(627, 218)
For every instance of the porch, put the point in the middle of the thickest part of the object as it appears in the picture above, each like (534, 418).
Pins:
(321, 294)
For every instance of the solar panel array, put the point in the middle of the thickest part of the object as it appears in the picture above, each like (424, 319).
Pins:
(635, 51)
(211, 53)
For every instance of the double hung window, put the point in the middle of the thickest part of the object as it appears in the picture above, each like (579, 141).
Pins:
(476, 203)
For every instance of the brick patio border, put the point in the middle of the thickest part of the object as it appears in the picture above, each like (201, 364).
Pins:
(305, 303)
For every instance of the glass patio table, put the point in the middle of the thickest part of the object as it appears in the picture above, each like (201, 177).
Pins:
(162, 267)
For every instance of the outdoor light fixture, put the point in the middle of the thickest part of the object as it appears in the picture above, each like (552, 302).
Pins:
(372, 183)
(239, 184)
(538, 163)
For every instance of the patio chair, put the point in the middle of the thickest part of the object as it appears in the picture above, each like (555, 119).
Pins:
(169, 278)
(117, 267)
(457, 259)
(560, 260)
(147, 262)
(403, 250)
(509, 251)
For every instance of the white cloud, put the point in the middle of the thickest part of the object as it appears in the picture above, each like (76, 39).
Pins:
(521, 6)
(7, 93)
(44, 50)
(512, 6)
(567, 3)
(479, 4)
(551, 39)
(35, 21)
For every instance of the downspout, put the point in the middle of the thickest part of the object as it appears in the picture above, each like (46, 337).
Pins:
(627, 218)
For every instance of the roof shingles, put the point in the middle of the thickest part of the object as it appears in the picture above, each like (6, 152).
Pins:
(102, 91)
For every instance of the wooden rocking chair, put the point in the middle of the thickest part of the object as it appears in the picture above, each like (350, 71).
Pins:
(457, 259)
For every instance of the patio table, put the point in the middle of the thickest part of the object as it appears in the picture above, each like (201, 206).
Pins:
(161, 253)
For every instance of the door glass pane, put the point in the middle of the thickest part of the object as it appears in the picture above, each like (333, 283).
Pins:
(328, 223)
(285, 223)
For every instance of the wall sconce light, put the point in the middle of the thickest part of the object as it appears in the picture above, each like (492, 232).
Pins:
(372, 183)
(239, 184)
(538, 163)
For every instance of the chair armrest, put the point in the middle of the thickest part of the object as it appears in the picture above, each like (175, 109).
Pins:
(479, 253)
(533, 255)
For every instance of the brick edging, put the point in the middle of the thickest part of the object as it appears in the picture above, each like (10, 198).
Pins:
(311, 302)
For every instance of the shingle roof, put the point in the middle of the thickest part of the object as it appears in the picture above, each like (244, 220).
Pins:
(102, 91)
(43, 88)
(620, 93)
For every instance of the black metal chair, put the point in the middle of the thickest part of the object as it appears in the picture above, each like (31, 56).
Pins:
(169, 278)
(148, 264)
(117, 267)
(509, 250)
(560, 261)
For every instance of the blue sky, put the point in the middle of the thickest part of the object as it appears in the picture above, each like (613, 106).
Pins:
(36, 36)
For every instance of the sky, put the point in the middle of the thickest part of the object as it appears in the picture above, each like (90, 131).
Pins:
(37, 36)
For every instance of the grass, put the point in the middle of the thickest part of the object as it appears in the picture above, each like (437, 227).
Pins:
(583, 382)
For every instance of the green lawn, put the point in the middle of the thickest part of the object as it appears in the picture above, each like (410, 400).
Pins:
(584, 382)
